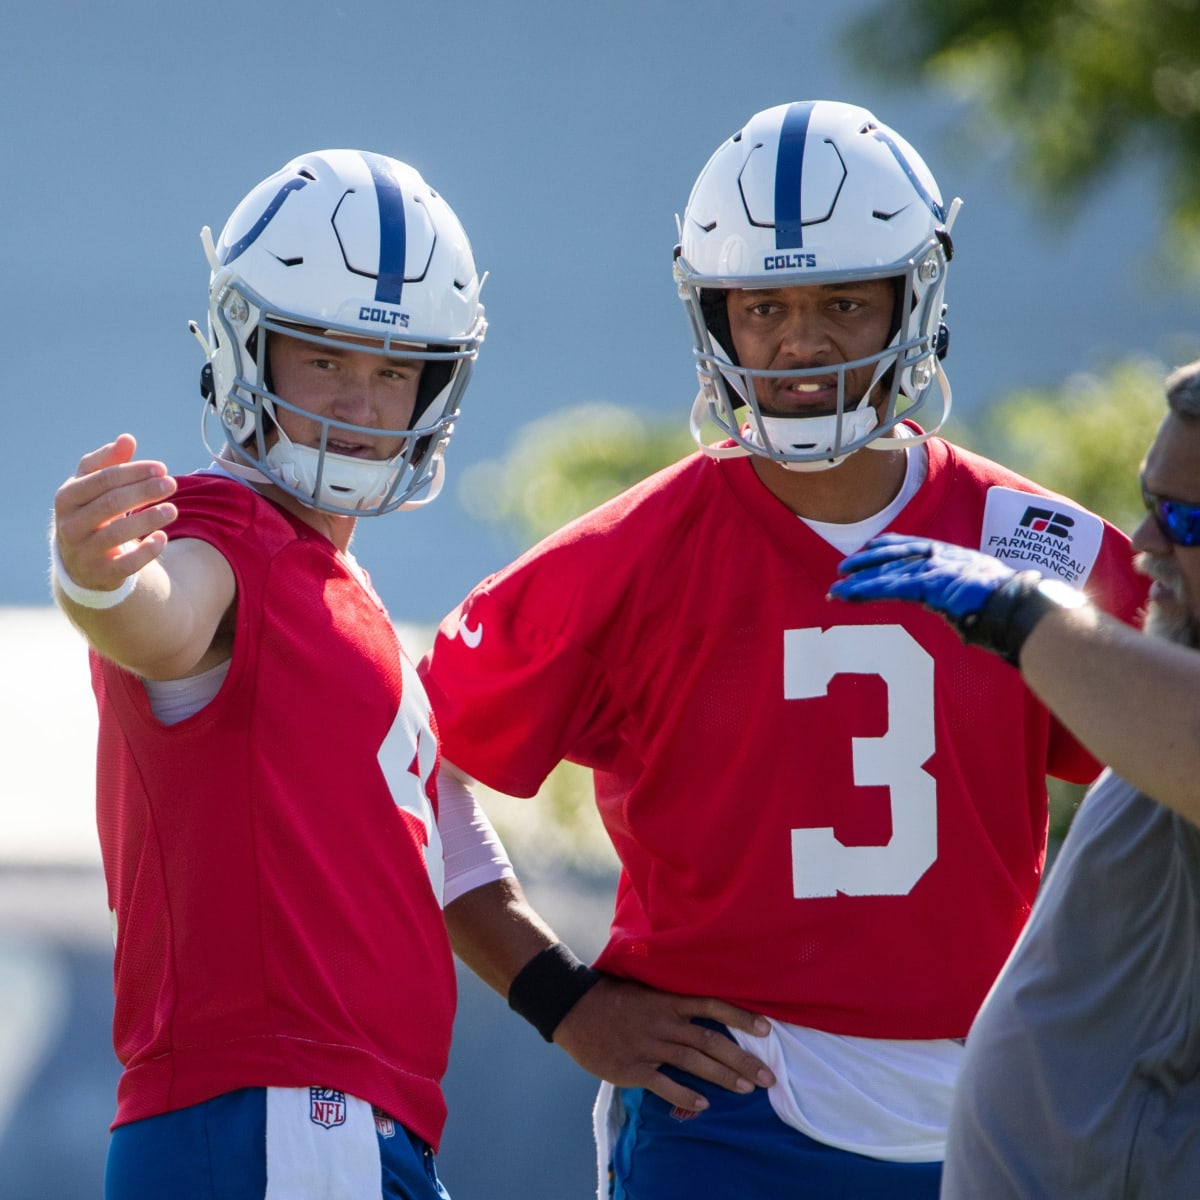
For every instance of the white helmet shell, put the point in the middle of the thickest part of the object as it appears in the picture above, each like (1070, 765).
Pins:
(815, 192)
(342, 244)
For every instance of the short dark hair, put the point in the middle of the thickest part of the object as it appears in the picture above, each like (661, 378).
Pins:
(1183, 391)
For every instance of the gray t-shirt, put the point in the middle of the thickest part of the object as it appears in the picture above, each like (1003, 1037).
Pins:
(1081, 1078)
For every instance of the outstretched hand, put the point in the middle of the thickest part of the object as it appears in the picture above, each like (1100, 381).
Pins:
(625, 1032)
(109, 517)
(150, 605)
(950, 580)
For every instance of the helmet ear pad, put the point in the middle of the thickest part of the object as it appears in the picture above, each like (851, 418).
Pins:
(899, 320)
(208, 389)
(435, 378)
(713, 303)
(252, 347)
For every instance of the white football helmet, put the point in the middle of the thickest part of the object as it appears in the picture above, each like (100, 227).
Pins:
(340, 243)
(816, 192)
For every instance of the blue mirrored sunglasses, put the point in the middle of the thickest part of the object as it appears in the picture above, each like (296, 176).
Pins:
(1179, 522)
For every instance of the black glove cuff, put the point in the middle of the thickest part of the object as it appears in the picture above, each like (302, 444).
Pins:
(548, 986)
(1009, 615)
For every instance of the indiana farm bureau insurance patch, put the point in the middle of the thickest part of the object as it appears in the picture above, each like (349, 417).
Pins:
(1034, 533)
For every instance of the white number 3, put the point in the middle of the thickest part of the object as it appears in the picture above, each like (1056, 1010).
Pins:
(821, 864)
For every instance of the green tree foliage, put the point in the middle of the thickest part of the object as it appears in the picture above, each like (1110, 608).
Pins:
(559, 828)
(565, 464)
(1079, 86)
(1083, 439)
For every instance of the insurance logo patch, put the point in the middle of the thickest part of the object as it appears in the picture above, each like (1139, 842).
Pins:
(1034, 533)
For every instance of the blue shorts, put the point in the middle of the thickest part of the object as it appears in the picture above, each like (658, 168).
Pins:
(219, 1150)
(739, 1147)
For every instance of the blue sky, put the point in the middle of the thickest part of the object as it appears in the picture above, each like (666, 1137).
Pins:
(566, 136)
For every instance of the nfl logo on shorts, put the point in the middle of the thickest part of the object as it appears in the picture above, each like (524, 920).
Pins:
(326, 1107)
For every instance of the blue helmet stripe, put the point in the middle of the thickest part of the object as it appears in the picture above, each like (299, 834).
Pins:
(789, 169)
(934, 207)
(392, 232)
(244, 243)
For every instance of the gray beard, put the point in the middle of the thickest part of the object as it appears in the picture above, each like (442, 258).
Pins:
(1170, 627)
(1179, 626)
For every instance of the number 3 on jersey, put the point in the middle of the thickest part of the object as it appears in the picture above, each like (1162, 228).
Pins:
(821, 864)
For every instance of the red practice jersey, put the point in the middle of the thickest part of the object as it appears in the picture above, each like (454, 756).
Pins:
(832, 814)
(266, 858)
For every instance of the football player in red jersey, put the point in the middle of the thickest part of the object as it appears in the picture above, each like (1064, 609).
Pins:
(276, 849)
(831, 815)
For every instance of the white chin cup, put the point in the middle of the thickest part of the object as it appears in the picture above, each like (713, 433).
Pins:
(815, 436)
(345, 482)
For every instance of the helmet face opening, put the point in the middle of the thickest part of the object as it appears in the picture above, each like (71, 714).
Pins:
(810, 194)
(317, 475)
(343, 248)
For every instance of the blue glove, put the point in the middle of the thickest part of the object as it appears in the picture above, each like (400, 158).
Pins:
(990, 605)
(951, 580)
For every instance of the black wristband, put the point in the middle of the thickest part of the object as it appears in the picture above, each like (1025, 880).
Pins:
(548, 986)
(1012, 610)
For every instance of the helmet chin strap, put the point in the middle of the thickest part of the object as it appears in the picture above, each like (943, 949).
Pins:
(814, 435)
(890, 441)
(296, 479)
(242, 470)
(817, 434)
(330, 479)
(435, 485)
(700, 408)
(797, 434)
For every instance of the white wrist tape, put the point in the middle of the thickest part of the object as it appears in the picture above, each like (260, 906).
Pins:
(83, 596)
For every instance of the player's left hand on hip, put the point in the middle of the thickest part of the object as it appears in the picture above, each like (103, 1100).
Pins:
(950, 580)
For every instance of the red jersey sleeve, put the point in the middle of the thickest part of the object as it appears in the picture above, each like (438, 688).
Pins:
(490, 657)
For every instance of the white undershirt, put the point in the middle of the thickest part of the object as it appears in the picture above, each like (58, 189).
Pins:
(853, 536)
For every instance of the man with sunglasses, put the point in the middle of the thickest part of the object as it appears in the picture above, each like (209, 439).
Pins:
(1082, 1071)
